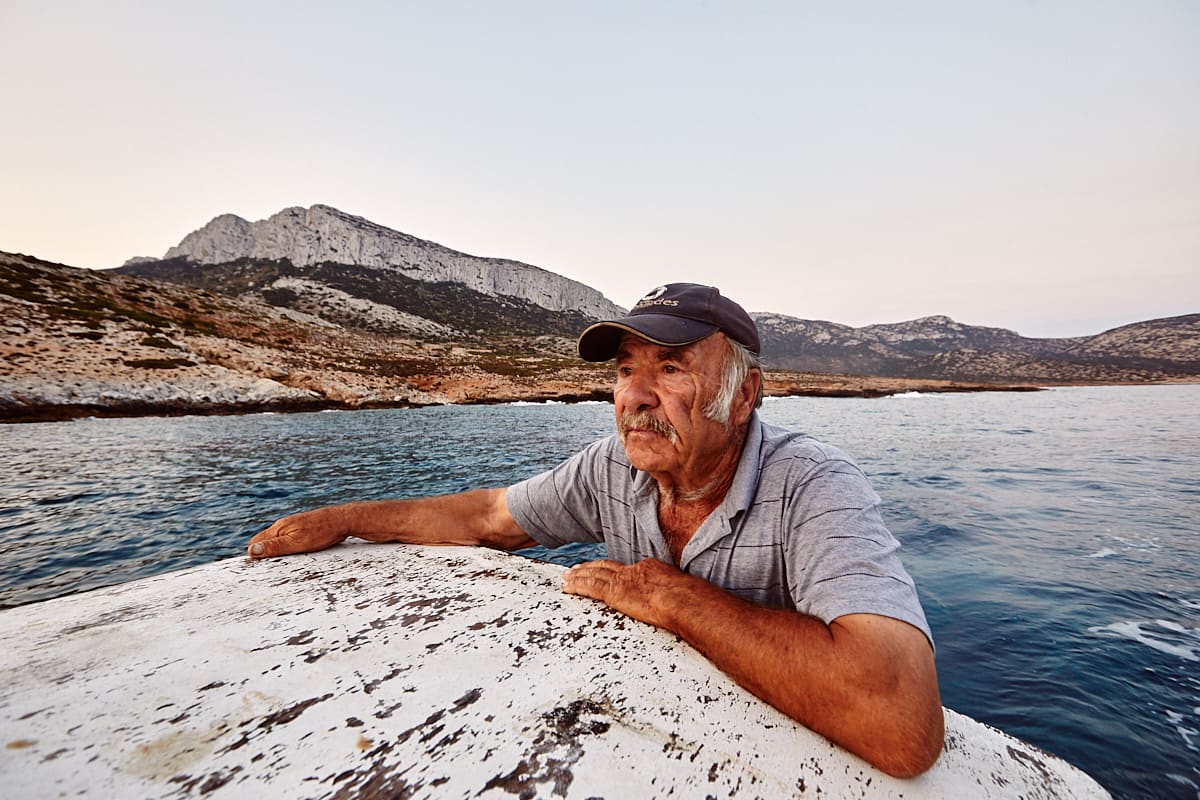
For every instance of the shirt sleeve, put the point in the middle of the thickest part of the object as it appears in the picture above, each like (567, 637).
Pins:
(559, 506)
(842, 558)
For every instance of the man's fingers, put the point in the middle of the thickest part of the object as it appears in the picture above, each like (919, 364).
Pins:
(299, 533)
(635, 590)
(275, 541)
(265, 544)
(590, 578)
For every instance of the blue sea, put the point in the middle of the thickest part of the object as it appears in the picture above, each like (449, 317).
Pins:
(1054, 536)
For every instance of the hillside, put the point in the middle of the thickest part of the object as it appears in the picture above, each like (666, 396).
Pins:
(83, 342)
(369, 299)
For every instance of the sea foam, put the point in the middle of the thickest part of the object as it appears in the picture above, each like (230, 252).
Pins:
(1164, 643)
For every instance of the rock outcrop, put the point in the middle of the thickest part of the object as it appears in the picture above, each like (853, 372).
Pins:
(322, 235)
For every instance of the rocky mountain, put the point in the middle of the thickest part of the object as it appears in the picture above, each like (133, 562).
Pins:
(354, 273)
(360, 275)
(939, 347)
(321, 235)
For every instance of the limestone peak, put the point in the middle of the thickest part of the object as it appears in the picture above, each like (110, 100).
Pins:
(323, 234)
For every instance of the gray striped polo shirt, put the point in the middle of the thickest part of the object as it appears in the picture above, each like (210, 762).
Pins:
(799, 529)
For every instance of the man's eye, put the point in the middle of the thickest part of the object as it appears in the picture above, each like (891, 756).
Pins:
(670, 369)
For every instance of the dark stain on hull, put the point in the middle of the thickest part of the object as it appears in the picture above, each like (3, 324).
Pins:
(381, 780)
(281, 717)
(558, 746)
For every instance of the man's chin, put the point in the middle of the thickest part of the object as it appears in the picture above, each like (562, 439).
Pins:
(644, 450)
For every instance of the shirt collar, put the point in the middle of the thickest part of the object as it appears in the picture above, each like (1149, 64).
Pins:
(724, 518)
(745, 479)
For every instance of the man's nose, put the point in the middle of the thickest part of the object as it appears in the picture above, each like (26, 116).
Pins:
(641, 391)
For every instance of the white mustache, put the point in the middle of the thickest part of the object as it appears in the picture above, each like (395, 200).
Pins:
(645, 421)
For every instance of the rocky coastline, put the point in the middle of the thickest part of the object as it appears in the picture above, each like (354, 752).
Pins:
(84, 343)
(47, 404)
(80, 343)
(31, 400)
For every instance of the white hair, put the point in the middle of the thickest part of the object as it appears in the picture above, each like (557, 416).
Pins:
(736, 365)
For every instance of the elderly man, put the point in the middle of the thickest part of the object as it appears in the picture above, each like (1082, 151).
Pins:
(763, 549)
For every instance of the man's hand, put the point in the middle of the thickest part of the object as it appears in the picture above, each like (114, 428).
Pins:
(300, 533)
(632, 589)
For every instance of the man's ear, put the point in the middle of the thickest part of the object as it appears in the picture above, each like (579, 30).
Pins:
(746, 397)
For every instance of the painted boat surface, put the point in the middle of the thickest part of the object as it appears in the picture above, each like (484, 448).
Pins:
(397, 671)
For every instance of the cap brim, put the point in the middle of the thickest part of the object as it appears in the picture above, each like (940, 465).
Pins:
(601, 341)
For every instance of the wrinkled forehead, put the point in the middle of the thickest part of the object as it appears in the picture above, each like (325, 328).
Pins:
(631, 344)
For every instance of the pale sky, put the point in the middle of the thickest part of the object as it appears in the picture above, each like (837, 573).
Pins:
(1026, 165)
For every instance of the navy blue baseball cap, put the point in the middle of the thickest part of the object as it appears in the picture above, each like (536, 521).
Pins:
(673, 315)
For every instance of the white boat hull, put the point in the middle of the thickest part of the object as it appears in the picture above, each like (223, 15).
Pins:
(400, 671)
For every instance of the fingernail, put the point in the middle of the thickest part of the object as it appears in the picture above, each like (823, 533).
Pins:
(256, 549)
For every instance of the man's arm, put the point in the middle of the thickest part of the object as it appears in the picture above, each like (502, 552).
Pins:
(479, 517)
(865, 681)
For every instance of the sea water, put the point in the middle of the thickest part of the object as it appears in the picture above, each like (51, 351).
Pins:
(1054, 536)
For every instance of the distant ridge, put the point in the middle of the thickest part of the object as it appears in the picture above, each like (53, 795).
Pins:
(939, 347)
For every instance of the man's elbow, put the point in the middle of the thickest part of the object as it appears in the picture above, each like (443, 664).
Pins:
(915, 750)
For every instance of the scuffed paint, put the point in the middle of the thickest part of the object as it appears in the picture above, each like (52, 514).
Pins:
(372, 671)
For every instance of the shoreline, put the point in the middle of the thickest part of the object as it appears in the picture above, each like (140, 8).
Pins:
(777, 384)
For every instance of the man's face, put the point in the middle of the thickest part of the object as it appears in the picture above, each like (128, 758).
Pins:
(660, 396)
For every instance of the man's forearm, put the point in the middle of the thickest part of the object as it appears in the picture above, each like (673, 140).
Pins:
(865, 682)
(478, 517)
(863, 692)
(467, 519)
